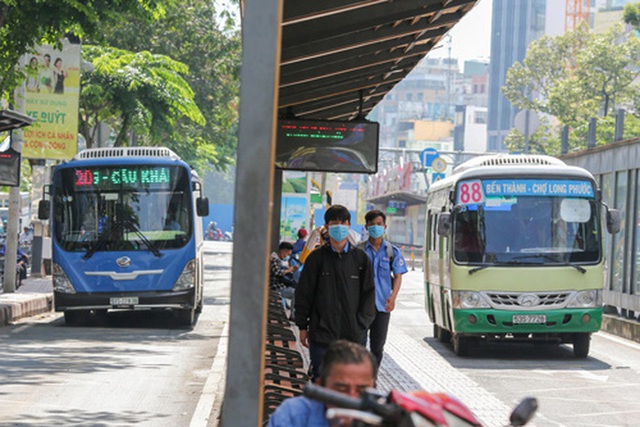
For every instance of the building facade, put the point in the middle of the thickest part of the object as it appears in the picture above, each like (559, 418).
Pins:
(514, 25)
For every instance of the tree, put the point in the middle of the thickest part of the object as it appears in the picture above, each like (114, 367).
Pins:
(27, 23)
(575, 77)
(605, 73)
(631, 14)
(134, 92)
(210, 47)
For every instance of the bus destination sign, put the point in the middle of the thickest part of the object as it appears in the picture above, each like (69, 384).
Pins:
(116, 176)
(471, 192)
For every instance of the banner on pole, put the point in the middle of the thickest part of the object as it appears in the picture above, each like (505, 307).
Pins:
(51, 99)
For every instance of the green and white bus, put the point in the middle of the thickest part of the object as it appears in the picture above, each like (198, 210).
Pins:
(513, 252)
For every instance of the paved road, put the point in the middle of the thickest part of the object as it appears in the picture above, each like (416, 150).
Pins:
(134, 369)
(602, 390)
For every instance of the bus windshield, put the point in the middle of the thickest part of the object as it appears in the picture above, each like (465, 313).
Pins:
(116, 208)
(526, 229)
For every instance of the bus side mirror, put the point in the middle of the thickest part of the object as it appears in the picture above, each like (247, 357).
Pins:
(444, 224)
(613, 221)
(202, 206)
(44, 207)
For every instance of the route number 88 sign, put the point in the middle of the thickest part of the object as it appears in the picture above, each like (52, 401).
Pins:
(470, 192)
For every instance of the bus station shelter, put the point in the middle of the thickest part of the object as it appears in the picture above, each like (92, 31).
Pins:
(321, 60)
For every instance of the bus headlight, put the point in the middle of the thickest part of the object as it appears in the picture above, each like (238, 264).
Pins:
(61, 282)
(187, 278)
(586, 299)
(468, 299)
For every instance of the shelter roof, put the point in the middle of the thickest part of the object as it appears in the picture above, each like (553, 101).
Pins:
(339, 58)
(10, 119)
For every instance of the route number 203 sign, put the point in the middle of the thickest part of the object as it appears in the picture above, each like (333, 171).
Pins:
(470, 192)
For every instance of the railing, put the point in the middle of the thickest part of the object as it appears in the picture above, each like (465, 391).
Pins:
(412, 255)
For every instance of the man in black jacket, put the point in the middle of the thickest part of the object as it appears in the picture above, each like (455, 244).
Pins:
(335, 298)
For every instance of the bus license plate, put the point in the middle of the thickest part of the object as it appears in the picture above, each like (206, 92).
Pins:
(123, 301)
(529, 318)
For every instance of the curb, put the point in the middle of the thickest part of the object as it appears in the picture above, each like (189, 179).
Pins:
(18, 305)
(624, 328)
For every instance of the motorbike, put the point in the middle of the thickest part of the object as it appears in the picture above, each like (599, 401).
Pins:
(214, 234)
(20, 272)
(414, 409)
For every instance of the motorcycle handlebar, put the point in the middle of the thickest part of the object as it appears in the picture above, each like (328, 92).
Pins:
(331, 397)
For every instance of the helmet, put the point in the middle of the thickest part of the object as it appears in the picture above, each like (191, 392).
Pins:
(302, 233)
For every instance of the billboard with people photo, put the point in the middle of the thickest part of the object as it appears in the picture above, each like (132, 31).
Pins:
(52, 88)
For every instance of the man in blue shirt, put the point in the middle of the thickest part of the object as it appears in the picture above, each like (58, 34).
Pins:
(347, 368)
(388, 268)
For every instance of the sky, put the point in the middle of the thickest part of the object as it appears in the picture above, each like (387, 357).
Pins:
(471, 37)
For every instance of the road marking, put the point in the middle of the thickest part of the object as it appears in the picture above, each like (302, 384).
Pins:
(19, 329)
(595, 377)
(214, 384)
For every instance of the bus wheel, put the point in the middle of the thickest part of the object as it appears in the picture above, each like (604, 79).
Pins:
(187, 316)
(461, 345)
(75, 317)
(581, 343)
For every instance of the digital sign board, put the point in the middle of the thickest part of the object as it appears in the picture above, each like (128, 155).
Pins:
(122, 175)
(330, 146)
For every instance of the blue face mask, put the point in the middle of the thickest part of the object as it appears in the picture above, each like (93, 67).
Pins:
(286, 258)
(338, 232)
(376, 231)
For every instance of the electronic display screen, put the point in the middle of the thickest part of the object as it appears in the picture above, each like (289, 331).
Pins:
(308, 145)
(109, 177)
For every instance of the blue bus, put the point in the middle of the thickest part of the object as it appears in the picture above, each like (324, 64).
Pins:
(125, 233)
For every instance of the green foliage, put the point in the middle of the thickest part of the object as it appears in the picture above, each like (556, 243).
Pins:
(631, 14)
(572, 78)
(540, 142)
(191, 33)
(605, 73)
(26, 23)
(135, 91)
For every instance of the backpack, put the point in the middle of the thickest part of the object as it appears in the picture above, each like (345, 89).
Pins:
(363, 244)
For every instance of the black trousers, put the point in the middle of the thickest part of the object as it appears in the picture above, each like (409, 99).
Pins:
(378, 334)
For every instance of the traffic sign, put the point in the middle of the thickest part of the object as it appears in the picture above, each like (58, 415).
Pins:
(428, 155)
(391, 210)
(436, 177)
(439, 164)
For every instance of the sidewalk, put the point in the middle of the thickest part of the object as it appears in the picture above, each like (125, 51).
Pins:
(35, 296)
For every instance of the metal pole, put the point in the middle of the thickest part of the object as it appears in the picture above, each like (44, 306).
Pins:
(278, 176)
(526, 131)
(619, 126)
(261, 27)
(564, 140)
(591, 135)
(13, 216)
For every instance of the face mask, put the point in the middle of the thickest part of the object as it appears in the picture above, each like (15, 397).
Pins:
(376, 231)
(338, 232)
(286, 258)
